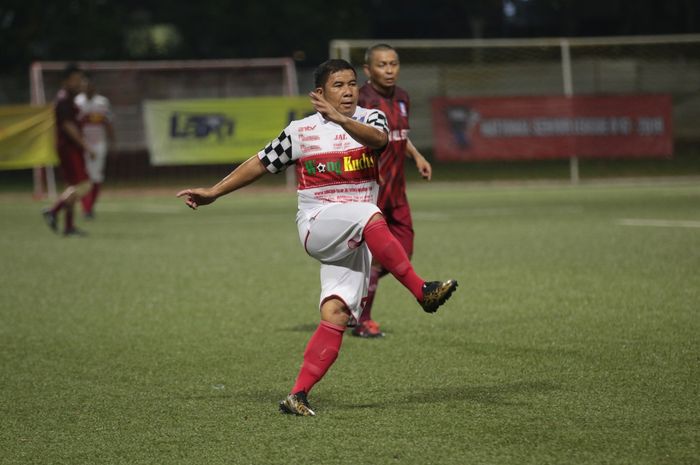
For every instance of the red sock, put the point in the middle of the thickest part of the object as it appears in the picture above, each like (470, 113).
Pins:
(69, 218)
(388, 251)
(371, 291)
(57, 206)
(320, 353)
(90, 198)
(86, 200)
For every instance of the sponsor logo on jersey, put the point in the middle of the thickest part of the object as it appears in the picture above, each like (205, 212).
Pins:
(309, 148)
(94, 118)
(357, 164)
(341, 145)
(309, 138)
(325, 169)
(313, 167)
(307, 128)
(347, 164)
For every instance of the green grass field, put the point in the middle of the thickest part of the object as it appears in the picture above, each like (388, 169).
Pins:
(168, 336)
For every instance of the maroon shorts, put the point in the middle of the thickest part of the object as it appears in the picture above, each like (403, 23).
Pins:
(401, 225)
(72, 165)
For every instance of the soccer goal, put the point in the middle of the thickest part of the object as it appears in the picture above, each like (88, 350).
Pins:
(128, 83)
(664, 64)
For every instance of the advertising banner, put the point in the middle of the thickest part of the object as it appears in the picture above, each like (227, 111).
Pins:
(182, 132)
(27, 137)
(514, 128)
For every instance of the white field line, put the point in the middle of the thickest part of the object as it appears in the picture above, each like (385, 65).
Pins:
(659, 223)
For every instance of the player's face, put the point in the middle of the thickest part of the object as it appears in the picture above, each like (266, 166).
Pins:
(341, 91)
(383, 69)
(74, 83)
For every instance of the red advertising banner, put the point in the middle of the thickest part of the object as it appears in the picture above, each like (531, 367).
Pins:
(513, 128)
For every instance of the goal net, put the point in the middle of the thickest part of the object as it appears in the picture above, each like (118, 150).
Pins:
(537, 67)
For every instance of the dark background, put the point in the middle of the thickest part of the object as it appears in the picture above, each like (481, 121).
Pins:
(157, 29)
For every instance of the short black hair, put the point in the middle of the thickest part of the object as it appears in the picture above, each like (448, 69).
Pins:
(373, 48)
(70, 69)
(329, 67)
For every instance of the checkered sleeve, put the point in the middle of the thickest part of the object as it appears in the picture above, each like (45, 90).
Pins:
(377, 118)
(277, 155)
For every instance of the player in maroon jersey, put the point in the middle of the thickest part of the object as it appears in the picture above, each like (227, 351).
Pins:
(70, 146)
(382, 68)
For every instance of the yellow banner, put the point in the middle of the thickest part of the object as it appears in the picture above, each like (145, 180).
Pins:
(180, 132)
(27, 135)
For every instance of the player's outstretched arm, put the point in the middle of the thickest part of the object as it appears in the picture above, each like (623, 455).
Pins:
(422, 164)
(248, 172)
(363, 133)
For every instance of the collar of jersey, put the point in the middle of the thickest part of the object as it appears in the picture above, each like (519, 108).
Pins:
(325, 121)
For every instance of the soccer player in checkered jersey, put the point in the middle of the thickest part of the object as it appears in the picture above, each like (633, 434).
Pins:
(96, 122)
(381, 92)
(334, 153)
(70, 146)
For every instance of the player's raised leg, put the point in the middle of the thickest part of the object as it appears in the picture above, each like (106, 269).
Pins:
(401, 227)
(387, 250)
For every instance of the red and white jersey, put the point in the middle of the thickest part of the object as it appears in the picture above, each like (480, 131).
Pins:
(95, 114)
(331, 166)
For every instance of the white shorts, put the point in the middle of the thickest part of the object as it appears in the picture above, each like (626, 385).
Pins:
(333, 236)
(96, 167)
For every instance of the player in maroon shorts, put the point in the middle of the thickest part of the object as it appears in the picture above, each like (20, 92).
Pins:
(381, 92)
(70, 146)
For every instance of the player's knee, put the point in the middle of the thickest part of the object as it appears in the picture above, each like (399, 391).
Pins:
(376, 217)
(335, 311)
(82, 188)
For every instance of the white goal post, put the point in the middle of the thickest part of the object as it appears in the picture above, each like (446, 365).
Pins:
(128, 83)
(663, 64)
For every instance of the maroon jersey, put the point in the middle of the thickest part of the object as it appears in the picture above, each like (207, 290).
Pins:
(392, 188)
(70, 153)
(65, 110)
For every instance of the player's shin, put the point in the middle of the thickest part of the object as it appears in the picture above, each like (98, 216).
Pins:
(321, 352)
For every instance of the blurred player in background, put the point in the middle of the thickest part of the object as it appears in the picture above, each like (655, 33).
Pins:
(334, 153)
(382, 68)
(70, 146)
(96, 123)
